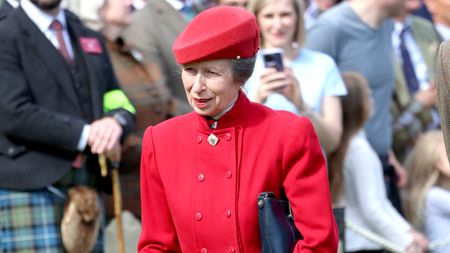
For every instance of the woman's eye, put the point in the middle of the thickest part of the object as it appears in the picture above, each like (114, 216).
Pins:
(210, 72)
(190, 70)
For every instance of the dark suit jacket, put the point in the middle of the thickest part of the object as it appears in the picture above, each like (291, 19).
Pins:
(5, 9)
(443, 89)
(41, 118)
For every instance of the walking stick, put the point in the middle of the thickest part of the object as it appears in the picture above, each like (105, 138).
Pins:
(117, 195)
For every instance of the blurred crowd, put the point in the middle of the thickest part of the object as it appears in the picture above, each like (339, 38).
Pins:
(363, 71)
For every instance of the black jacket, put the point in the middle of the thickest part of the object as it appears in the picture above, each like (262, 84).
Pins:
(41, 118)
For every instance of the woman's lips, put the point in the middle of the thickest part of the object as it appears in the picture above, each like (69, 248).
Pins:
(201, 102)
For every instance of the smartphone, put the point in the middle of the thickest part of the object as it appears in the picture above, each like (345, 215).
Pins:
(273, 58)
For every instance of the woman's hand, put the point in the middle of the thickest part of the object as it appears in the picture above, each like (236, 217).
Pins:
(419, 243)
(292, 90)
(427, 97)
(270, 81)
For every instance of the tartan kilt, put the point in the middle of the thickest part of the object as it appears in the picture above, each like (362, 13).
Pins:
(30, 222)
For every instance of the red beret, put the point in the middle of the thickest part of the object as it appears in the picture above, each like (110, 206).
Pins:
(222, 32)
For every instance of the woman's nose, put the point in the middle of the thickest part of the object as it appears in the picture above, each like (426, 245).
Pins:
(199, 83)
(277, 23)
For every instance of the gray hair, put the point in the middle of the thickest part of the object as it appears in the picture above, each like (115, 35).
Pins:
(242, 68)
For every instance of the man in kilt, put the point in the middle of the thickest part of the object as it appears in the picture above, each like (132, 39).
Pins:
(60, 107)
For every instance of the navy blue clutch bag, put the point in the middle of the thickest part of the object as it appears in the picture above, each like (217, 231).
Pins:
(277, 230)
(276, 225)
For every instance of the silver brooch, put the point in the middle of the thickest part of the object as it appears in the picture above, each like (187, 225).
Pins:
(212, 139)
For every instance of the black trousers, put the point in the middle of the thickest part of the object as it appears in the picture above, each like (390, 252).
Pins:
(390, 179)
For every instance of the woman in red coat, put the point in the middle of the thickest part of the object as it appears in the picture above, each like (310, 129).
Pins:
(201, 173)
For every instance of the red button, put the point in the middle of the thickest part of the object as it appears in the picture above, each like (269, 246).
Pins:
(227, 213)
(228, 137)
(201, 177)
(232, 250)
(228, 174)
(198, 216)
(199, 139)
(204, 250)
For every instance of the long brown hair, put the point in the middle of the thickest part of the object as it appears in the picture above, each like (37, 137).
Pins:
(355, 112)
(422, 174)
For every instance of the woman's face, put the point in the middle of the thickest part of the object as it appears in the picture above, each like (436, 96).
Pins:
(277, 21)
(117, 12)
(442, 164)
(209, 86)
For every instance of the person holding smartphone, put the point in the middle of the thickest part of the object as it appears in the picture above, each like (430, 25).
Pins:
(309, 82)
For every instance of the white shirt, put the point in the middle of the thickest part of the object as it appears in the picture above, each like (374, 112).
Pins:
(318, 77)
(43, 21)
(437, 216)
(14, 3)
(365, 200)
(443, 30)
(420, 68)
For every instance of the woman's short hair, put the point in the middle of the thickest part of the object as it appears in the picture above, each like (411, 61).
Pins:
(242, 68)
(255, 6)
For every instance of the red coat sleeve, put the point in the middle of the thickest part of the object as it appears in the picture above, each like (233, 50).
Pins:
(306, 186)
(158, 231)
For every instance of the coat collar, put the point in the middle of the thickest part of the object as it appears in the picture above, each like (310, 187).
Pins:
(232, 118)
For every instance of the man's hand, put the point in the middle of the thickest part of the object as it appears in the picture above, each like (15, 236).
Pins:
(427, 97)
(104, 135)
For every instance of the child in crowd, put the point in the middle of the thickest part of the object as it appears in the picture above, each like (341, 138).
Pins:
(356, 179)
(427, 203)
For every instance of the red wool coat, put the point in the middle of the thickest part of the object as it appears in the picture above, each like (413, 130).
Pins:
(197, 197)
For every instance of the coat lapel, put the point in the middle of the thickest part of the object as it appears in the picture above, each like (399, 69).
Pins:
(427, 43)
(77, 31)
(49, 55)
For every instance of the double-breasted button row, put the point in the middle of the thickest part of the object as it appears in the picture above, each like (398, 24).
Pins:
(199, 139)
(229, 250)
(198, 216)
(201, 177)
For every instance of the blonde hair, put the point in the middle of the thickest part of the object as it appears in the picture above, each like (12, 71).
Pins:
(255, 6)
(422, 174)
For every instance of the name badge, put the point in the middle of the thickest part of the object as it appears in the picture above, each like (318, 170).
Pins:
(91, 45)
